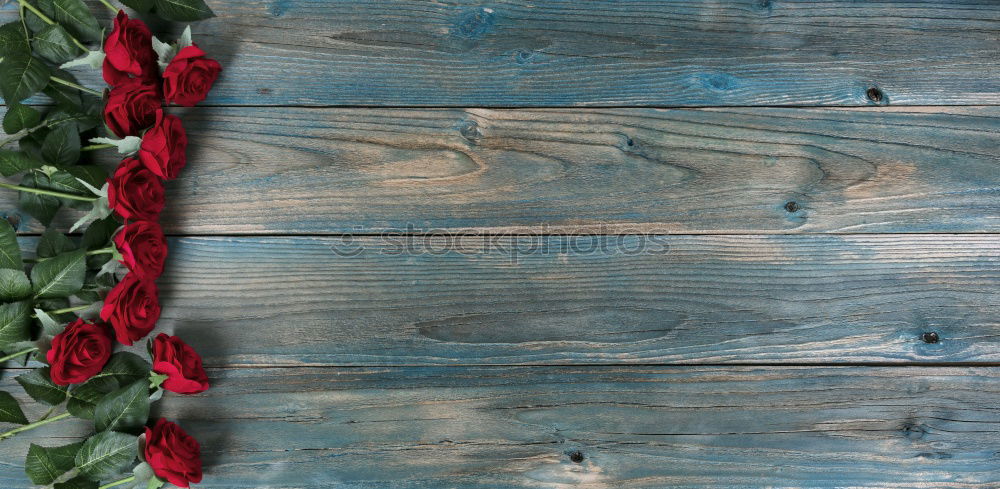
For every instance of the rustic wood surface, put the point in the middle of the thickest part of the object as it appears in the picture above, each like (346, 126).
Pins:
(643, 427)
(627, 52)
(771, 334)
(759, 170)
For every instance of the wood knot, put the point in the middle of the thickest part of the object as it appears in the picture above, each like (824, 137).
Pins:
(576, 457)
(792, 206)
(875, 95)
(930, 337)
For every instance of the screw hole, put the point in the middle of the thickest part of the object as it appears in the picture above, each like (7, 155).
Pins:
(792, 206)
(930, 337)
(875, 95)
(576, 457)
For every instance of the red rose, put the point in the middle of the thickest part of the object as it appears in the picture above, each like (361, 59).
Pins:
(173, 454)
(163, 146)
(143, 248)
(135, 192)
(132, 308)
(129, 52)
(131, 107)
(79, 352)
(189, 76)
(180, 363)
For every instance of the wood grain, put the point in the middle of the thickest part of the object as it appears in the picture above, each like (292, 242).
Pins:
(636, 427)
(308, 171)
(629, 52)
(585, 300)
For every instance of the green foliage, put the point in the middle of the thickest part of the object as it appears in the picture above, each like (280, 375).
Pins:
(21, 76)
(15, 323)
(20, 117)
(10, 410)
(125, 409)
(45, 465)
(55, 44)
(106, 454)
(59, 276)
(53, 243)
(40, 387)
(10, 252)
(182, 10)
(14, 162)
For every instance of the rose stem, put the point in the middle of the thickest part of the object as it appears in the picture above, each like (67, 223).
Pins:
(110, 7)
(94, 147)
(36, 424)
(117, 483)
(15, 355)
(74, 85)
(49, 21)
(52, 193)
(65, 310)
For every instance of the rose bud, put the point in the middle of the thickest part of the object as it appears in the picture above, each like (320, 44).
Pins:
(135, 192)
(131, 107)
(189, 77)
(143, 248)
(163, 147)
(132, 307)
(79, 352)
(180, 363)
(173, 454)
(129, 52)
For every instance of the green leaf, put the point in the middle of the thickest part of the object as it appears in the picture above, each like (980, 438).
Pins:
(62, 145)
(78, 482)
(138, 5)
(13, 162)
(84, 120)
(84, 398)
(98, 234)
(41, 207)
(40, 387)
(45, 465)
(10, 252)
(22, 76)
(122, 369)
(15, 323)
(10, 410)
(125, 368)
(53, 243)
(14, 285)
(106, 455)
(60, 276)
(12, 40)
(55, 44)
(124, 409)
(183, 10)
(19, 117)
(77, 18)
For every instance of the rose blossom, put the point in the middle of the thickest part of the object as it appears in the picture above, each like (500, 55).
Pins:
(143, 248)
(131, 107)
(129, 52)
(189, 76)
(173, 454)
(180, 363)
(135, 192)
(163, 146)
(132, 308)
(79, 352)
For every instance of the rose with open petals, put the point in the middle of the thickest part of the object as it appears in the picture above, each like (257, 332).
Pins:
(143, 248)
(131, 107)
(128, 52)
(132, 307)
(189, 77)
(163, 146)
(173, 454)
(180, 363)
(79, 352)
(134, 192)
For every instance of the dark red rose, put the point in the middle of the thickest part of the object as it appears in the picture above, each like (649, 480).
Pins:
(132, 307)
(143, 248)
(180, 363)
(173, 454)
(79, 352)
(163, 147)
(131, 107)
(135, 192)
(189, 77)
(129, 52)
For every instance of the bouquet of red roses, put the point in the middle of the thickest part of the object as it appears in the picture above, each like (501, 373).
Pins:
(64, 305)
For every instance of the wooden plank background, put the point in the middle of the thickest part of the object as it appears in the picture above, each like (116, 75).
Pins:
(800, 240)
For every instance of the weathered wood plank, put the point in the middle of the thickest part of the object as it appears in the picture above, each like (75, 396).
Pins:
(629, 52)
(643, 427)
(581, 299)
(307, 171)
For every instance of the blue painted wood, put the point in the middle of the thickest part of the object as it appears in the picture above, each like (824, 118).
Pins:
(636, 427)
(628, 52)
(306, 171)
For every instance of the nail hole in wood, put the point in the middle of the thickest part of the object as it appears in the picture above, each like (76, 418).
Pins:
(874, 94)
(630, 142)
(576, 457)
(930, 337)
(792, 206)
